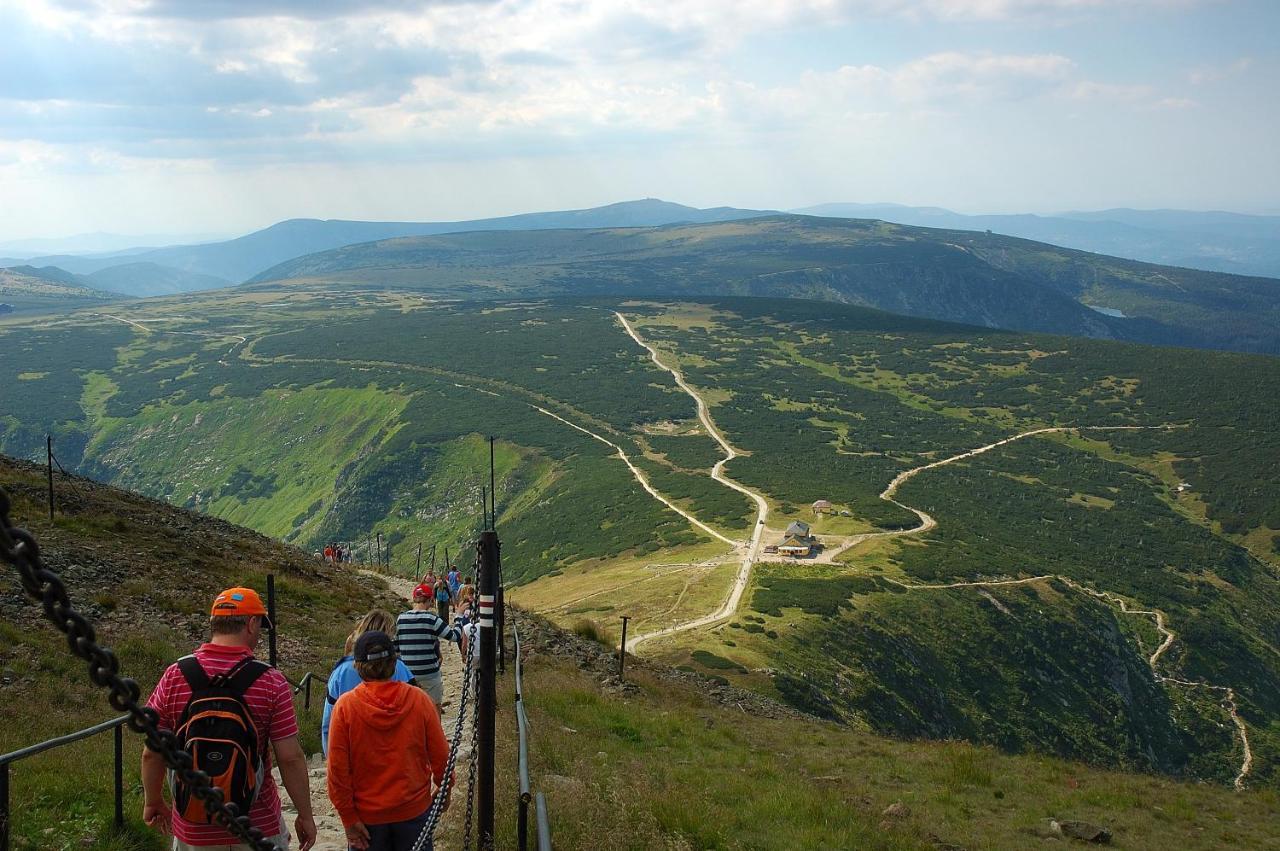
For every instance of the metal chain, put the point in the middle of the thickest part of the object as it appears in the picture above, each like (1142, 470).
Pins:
(436, 811)
(471, 772)
(19, 548)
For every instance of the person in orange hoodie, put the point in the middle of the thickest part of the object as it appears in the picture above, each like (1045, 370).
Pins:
(387, 753)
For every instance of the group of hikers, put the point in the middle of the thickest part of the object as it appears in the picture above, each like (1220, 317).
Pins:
(381, 729)
(336, 553)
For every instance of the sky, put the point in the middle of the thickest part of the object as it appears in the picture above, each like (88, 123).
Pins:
(222, 116)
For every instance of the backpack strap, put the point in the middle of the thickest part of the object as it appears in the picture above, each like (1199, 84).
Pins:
(193, 673)
(245, 673)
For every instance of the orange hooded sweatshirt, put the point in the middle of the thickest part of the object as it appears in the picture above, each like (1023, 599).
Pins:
(386, 753)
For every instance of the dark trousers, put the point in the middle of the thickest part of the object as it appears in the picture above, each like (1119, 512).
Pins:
(398, 835)
(442, 609)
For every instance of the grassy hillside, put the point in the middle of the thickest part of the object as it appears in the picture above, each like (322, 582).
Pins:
(664, 763)
(960, 276)
(315, 415)
(666, 760)
(145, 574)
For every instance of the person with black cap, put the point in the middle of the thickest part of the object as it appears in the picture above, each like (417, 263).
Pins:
(387, 753)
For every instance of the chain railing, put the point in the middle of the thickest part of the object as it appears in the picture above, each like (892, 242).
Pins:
(20, 549)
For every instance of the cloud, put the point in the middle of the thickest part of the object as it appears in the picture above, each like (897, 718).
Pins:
(1215, 73)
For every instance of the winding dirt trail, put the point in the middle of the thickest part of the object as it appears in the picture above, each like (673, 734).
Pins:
(752, 547)
(927, 523)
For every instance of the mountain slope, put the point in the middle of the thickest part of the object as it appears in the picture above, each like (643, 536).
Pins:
(27, 288)
(958, 276)
(151, 279)
(667, 759)
(145, 573)
(237, 259)
(1220, 242)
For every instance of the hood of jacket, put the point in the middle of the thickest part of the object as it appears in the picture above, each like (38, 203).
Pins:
(381, 704)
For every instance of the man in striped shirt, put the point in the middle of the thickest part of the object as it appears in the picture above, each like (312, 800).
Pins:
(418, 634)
(237, 622)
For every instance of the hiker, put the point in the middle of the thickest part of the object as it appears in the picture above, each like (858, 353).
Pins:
(455, 581)
(387, 754)
(418, 634)
(328, 553)
(344, 676)
(466, 593)
(442, 598)
(225, 706)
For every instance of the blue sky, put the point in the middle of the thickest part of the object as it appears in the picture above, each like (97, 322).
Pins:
(220, 115)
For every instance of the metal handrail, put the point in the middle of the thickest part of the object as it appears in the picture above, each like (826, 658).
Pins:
(304, 683)
(544, 824)
(68, 739)
(522, 722)
(116, 724)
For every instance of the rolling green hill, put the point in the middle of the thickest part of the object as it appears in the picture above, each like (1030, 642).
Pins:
(48, 289)
(313, 415)
(961, 276)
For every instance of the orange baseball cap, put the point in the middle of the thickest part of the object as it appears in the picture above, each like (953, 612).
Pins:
(238, 601)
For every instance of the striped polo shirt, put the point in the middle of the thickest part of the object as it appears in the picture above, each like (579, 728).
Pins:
(270, 703)
(418, 637)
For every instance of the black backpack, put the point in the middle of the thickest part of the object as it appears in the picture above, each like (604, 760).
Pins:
(219, 733)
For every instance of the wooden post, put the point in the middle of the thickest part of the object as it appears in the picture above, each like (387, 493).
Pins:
(622, 649)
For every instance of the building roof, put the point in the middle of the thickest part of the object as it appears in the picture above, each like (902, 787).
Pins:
(798, 528)
(795, 544)
(823, 503)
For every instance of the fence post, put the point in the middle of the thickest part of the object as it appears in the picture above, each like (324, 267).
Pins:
(48, 446)
(418, 570)
(4, 807)
(271, 616)
(622, 648)
(379, 561)
(306, 700)
(502, 632)
(487, 681)
(119, 733)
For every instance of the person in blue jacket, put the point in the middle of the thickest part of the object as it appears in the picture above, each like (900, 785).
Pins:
(344, 678)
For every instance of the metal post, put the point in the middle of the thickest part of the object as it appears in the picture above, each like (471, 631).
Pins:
(501, 616)
(4, 807)
(271, 616)
(379, 561)
(368, 549)
(48, 445)
(119, 776)
(484, 508)
(622, 649)
(493, 490)
(418, 570)
(487, 698)
(306, 700)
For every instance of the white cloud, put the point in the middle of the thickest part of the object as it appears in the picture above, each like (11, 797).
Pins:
(1214, 73)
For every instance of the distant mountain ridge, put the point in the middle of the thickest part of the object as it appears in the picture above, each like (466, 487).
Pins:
(959, 276)
(238, 259)
(1213, 241)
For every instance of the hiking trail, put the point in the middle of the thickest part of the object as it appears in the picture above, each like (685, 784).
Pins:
(330, 835)
(743, 578)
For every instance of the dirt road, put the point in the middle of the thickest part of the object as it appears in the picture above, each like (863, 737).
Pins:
(750, 548)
